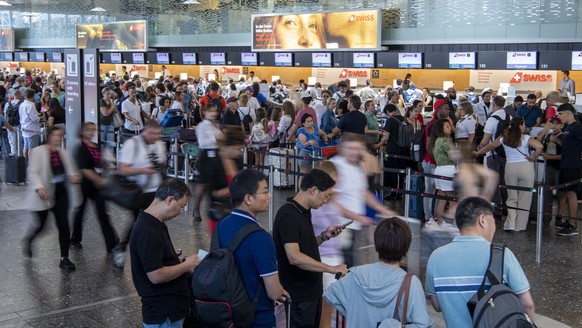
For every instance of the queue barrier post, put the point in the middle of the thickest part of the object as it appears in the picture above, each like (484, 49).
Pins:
(540, 224)
(117, 136)
(245, 155)
(296, 168)
(381, 160)
(176, 158)
(407, 187)
(272, 200)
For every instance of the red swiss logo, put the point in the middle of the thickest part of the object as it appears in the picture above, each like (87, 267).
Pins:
(521, 77)
(222, 70)
(346, 73)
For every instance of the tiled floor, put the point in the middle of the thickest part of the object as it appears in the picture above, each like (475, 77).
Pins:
(36, 293)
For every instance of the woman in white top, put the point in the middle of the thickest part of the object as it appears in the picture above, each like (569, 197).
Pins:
(178, 101)
(519, 171)
(465, 131)
(206, 133)
(382, 98)
(286, 119)
(159, 113)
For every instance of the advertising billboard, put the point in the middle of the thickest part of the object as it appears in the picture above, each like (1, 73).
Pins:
(346, 30)
(577, 60)
(522, 60)
(363, 59)
(189, 58)
(113, 36)
(6, 39)
(217, 58)
(461, 60)
(248, 58)
(321, 59)
(410, 60)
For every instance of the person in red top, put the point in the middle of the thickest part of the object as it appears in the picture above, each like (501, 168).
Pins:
(441, 111)
(214, 94)
(553, 100)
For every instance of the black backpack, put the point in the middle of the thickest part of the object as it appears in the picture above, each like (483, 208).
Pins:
(418, 144)
(405, 134)
(499, 306)
(247, 120)
(217, 102)
(12, 113)
(502, 125)
(120, 101)
(220, 297)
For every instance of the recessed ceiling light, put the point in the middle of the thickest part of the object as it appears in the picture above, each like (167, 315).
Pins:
(95, 9)
(191, 2)
(5, 4)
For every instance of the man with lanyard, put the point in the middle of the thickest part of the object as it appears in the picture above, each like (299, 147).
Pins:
(297, 249)
(568, 87)
(482, 110)
(255, 257)
(142, 159)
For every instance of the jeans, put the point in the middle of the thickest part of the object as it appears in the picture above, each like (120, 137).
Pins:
(108, 134)
(12, 136)
(429, 188)
(166, 324)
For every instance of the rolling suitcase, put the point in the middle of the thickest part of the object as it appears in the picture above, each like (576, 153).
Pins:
(282, 179)
(416, 209)
(15, 169)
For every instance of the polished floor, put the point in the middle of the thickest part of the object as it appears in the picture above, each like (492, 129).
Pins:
(37, 293)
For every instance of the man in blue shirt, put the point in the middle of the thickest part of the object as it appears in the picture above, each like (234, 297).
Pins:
(531, 113)
(455, 271)
(255, 257)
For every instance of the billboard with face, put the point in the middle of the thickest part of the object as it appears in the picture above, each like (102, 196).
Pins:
(114, 36)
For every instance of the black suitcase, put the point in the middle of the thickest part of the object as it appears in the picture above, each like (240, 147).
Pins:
(15, 169)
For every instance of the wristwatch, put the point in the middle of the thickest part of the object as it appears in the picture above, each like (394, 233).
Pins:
(323, 236)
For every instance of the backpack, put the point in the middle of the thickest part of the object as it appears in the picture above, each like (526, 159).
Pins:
(172, 119)
(220, 297)
(12, 113)
(216, 101)
(418, 144)
(405, 134)
(247, 120)
(120, 101)
(473, 98)
(258, 133)
(499, 306)
(502, 125)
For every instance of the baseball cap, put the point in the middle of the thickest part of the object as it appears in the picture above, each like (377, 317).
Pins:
(438, 103)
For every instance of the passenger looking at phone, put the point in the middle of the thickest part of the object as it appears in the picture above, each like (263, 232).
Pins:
(300, 266)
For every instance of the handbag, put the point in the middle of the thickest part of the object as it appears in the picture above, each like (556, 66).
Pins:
(117, 120)
(220, 208)
(123, 192)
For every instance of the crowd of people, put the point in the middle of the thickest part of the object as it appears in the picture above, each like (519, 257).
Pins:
(316, 232)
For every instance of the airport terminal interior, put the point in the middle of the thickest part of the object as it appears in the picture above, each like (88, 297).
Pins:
(508, 48)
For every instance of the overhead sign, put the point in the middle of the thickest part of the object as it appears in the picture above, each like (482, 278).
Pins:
(73, 96)
(138, 58)
(248, 58)
(113, 36)
(364, 59)
(189, 58)
(283, 59)
(577, 60)
(217, 58)
(410, 60)
(321, 59)
(163, 58)
(57, 57)
(522, 60)
(6, 39)
(7, 56)
(347, 30)
(329, 76)
(116, 58)
(91, 87)
(461, 60)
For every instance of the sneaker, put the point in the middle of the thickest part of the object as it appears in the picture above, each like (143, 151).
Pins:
(118, 259)
(562, 225)
(569, 231)
(431, 223)
(66, 264)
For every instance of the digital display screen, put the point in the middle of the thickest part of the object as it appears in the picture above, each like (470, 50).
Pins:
(189, 58)
(114, 36)
(461, 60)
(522, 60)
(283, 59)
(217, 58)
(321, 59)
(138, 58)
(163, 58)
(116, 57)
(577, 60)
(363, 60)
(57, 57)
(410, 60)
(39, 56)
(248, 58)
(22, 56)
(346, 30)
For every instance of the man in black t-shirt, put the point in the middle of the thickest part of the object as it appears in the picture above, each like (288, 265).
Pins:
(231, 117)
(353, 121)
(391, 127)
(300, 266)
(571, 164)
(159, 276)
